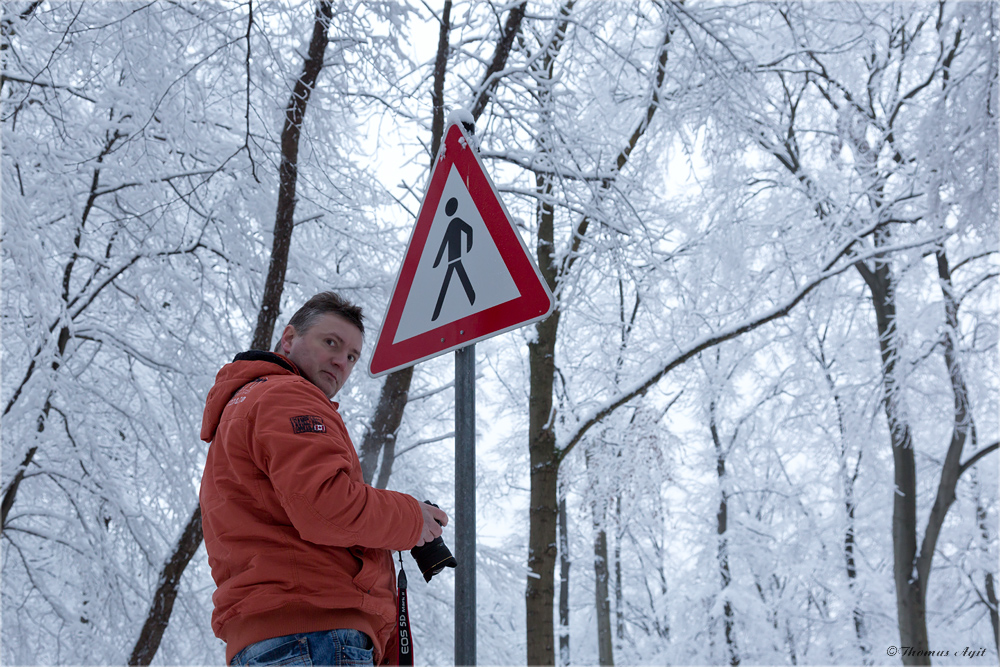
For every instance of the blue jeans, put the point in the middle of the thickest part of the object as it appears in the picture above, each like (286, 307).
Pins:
(327, 647)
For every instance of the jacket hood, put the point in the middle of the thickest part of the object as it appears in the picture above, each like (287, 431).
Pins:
(245, 367)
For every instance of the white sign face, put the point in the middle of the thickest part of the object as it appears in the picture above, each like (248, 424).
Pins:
(460, 271)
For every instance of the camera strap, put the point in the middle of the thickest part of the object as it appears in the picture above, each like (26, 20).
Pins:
(405, 638)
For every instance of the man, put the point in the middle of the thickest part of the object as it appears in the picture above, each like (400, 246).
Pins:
(299, 546)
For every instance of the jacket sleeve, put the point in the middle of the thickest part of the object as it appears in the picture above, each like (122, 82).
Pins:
(309, 464)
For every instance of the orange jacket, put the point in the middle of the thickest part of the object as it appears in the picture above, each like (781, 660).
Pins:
(296, 540)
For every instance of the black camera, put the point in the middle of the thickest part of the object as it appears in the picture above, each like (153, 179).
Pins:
(434, 556)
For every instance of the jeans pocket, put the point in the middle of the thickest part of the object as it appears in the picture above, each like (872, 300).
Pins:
(287, 650)
(355, 647)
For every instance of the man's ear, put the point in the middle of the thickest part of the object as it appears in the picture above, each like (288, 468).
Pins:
(286, 339)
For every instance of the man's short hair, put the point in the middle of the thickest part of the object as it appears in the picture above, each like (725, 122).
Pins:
(321, 304)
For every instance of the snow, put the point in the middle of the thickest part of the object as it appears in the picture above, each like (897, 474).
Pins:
(719, 320)
(460, 117)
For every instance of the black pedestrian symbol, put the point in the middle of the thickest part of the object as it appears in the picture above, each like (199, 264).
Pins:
(453, 240)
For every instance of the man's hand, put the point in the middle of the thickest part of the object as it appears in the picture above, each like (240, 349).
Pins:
(434, 518)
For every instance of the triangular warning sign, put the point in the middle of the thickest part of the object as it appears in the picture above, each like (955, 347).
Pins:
(467, 274)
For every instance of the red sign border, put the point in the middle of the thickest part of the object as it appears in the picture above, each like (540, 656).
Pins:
(534, 303)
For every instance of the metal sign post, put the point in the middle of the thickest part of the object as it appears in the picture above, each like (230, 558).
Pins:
(465, 505)
(465, 500)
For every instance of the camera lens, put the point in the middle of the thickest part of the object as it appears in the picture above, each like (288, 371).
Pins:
(433, 557)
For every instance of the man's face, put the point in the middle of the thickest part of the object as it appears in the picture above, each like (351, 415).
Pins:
(325, 352)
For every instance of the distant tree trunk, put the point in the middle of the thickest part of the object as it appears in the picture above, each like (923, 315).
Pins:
(963, 431)
(722, 520)
(619, 597)
(991, 594)
(790, 640)
(602, 602)
(847, 482)
(191, 537)
(625, 330)
(605, 647)
(988, 583)
(564, 566)
(852, 571)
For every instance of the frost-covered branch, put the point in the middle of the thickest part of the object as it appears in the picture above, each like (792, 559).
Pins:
(974, 459)
(160, 179)
(643, 385)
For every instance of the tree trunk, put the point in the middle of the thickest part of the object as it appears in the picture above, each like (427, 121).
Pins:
(163, 600)
(852, 571)
(564, 565)
(991, 595)
(911, 567)
(602, 602)
(909, 587)
(619, 601)
(191, 537)
(440, 69)
(963, 431)
(380, 437)
(544, 478)
(490, 79)
(847, 481)
(541, 559)
(605, 649)
(544, 455)
(541, 412)
(988, 583)
(288, 172)
(722, 521)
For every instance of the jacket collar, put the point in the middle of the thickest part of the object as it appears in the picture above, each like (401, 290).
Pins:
(272, 357)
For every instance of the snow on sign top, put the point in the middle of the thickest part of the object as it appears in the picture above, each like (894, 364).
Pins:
(466, 275)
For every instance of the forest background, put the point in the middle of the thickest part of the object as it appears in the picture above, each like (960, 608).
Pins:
(759, 427)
